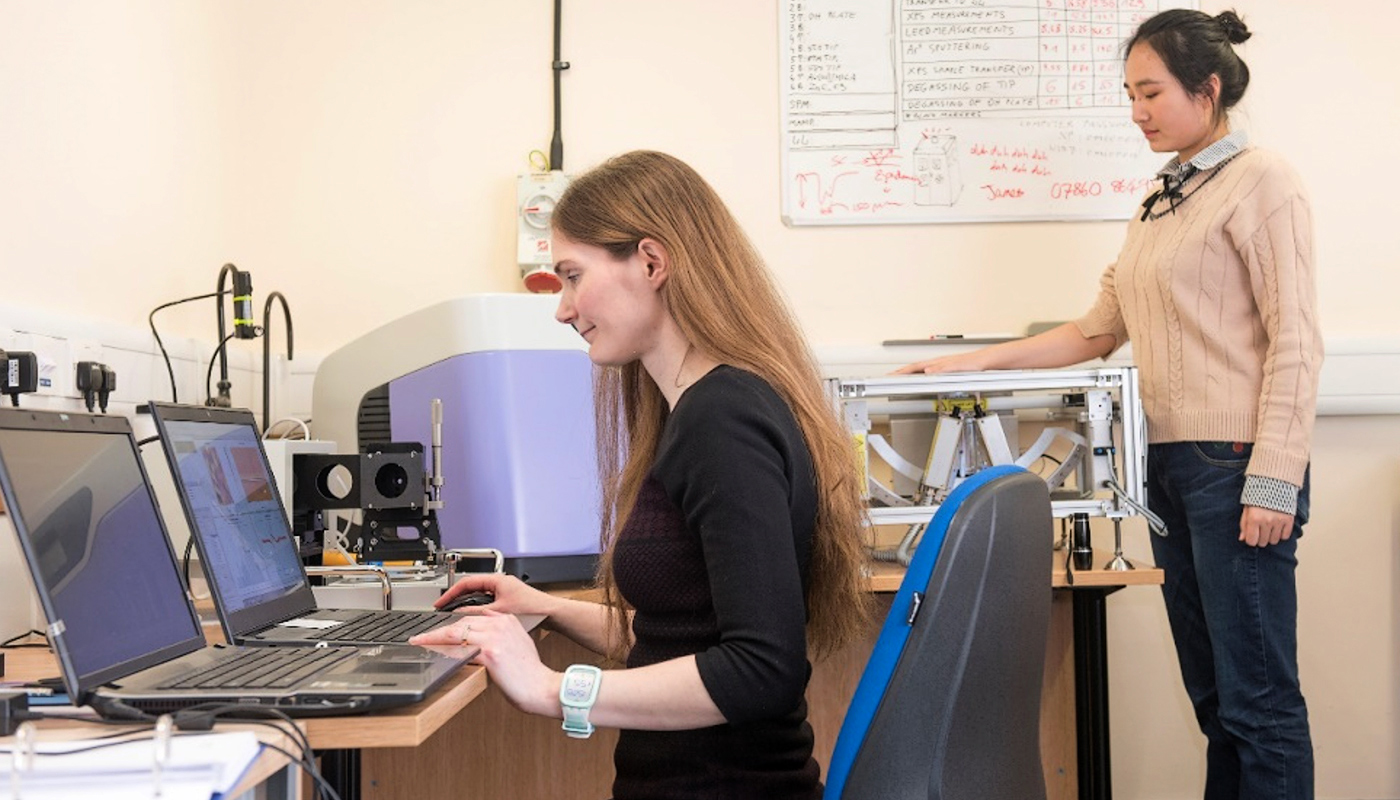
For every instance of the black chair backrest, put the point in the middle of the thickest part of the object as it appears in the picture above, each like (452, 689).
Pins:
(960, 713)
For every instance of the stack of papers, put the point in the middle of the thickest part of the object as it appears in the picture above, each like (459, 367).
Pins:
(200, 766)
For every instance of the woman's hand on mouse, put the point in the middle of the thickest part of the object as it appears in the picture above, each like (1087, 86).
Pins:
(513, 596)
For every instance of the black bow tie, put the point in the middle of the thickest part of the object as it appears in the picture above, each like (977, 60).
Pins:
(1170, 191)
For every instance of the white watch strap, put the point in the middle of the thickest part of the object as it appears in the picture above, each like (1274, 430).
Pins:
(576, 696)
(576, 723)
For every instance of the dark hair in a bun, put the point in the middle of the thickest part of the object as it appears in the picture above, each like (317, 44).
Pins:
(1235, 29)
(1195, 46)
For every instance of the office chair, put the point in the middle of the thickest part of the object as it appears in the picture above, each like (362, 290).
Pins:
(948, 707)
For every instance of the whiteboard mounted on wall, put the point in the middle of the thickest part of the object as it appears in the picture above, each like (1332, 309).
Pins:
(919, 111)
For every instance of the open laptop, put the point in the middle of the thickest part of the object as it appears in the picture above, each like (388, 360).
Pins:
(125, 633)
(245, 544)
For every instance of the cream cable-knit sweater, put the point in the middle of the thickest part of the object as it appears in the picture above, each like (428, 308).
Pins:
(1219, 301)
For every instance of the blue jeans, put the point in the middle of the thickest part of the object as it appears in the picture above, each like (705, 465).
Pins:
(1233, 611)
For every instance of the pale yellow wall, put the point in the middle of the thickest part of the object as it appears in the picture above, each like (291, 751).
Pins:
(115, 162)
(360, 157)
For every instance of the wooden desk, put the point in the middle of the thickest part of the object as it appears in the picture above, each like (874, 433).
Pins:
(393, 734)
(342, 742)
(500, 752)
(885, 577)
(408, 726)
(33, 663)
(341, 739)
(467, 735)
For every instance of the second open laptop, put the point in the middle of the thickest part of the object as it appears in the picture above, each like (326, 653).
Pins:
(245, 543)
(125, 633)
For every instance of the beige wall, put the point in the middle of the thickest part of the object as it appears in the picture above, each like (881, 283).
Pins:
(360, 157)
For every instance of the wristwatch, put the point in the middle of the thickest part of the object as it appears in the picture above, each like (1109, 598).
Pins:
(576, 695)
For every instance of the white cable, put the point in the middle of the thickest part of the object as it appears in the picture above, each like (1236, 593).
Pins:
(305, 429)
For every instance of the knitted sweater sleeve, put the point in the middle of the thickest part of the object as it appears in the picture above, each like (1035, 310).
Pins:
(1271, 229)
(1106, 315)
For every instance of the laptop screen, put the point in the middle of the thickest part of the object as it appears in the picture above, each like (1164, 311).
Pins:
(94, 541)
(234, 508)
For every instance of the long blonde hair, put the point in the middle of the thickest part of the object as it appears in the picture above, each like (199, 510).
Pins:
(725, 303)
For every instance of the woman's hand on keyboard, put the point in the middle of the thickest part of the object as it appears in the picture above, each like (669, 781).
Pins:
(509, 655)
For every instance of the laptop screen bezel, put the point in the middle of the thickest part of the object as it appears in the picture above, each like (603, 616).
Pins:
(237, 625)
(81, 686)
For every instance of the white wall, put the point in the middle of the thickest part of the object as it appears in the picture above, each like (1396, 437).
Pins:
(360, 157)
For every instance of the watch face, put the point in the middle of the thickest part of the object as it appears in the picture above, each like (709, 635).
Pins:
(577, 687)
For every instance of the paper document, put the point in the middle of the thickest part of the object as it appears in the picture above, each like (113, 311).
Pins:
(200, 766)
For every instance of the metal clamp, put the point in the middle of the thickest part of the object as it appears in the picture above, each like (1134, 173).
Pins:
(362, 569)
(453, 556)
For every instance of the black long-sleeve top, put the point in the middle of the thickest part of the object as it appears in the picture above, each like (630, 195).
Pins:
(714, 558)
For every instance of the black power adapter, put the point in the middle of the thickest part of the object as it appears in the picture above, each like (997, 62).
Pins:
(19, 374)
(96, 381)
(14, 709)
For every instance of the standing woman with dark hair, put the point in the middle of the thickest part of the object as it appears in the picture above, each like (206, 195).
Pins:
(1214, 286)
(731, 506)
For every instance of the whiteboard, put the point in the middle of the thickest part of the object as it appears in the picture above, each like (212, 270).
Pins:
(917, 111)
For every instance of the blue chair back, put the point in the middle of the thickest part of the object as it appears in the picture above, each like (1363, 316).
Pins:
(948, 706)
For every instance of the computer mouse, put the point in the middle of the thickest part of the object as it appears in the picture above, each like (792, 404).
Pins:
(468, 599)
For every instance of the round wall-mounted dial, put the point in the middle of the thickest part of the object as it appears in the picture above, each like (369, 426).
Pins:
(536, 211)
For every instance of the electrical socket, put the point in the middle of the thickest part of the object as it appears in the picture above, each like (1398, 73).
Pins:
(57, 356)
(55, 367)
(80, 350)
(536, 194)
(86, 350)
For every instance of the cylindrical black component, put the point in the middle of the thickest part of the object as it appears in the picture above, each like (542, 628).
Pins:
(1091, 692)
(224, 272)
(243, 323)
(1081, 545)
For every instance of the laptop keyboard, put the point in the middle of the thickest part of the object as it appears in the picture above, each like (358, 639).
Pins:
(382, 626)
(263, 668)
